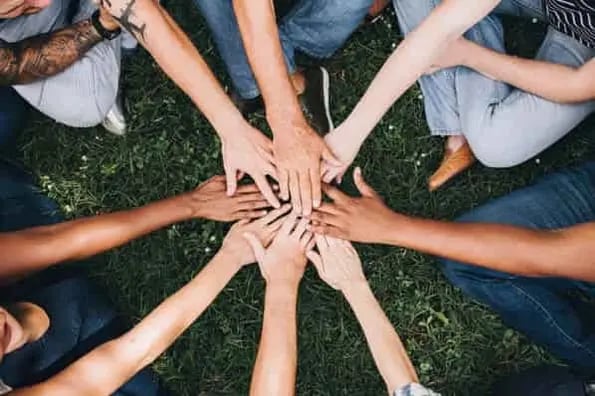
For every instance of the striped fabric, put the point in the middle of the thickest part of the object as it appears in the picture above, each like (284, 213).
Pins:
(575, 18)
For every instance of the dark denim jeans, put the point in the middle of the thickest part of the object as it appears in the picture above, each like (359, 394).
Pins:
(81, 315)
(13, 111)
(556, 313)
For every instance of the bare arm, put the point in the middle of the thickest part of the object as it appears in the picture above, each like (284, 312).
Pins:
(558, 83)
(338, 264)
(45, 55)
(297, 148)
(568, 253)
(37, 248)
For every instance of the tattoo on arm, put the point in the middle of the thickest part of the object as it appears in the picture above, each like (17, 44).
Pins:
(45, 55)
(124, 18)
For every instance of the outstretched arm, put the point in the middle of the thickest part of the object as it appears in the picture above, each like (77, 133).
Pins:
(282, 265)
(36, 248)
(338, 264)
(555, 82)
(412, 58)
(568, 252)
(109, 366)
(48, 54)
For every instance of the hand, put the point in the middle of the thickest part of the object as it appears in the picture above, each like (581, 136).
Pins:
(249, 151)
(362, 219)
(337, 262)
(454, 55)
(263, 229)
(298, 154)
(107, 20)
(210, 201)
(344, 149)
(284, 261)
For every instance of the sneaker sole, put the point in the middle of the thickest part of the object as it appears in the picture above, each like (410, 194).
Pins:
(326, 84)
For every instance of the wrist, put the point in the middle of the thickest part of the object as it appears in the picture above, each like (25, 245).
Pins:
(230, 258)
(286, 118)
(395, 231)
(229, 125)
(355, 289)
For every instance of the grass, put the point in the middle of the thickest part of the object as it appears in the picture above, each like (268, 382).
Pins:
(458, 346)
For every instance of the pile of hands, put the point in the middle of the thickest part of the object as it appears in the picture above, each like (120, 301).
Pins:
(282, 239)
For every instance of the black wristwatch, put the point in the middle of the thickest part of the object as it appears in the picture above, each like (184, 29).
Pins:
(103, 32)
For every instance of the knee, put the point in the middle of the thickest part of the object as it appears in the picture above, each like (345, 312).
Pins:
(495, 151)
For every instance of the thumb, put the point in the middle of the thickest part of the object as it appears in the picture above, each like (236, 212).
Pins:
(361, 184)
(232, 181)
(316, 260)
(329, 157)
(256, 245)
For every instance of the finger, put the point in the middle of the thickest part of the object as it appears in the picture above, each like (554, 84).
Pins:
(249, 197)
(284, 184)
(275, 214)
(232, 182)
(311, 244)
(256, 246)
(329, 176)
(266, 190)
(328, 230)
(325, 218)
(361, 184)
(316, 260)
(328, 156)
(334, 193)
(252, 214)
(316, 188)
(329, 208)
(321, 241)
(300, 229)
(248, 189)
(254, 205)
(271, 170)
(294, 190)
(306, 239)
(241, 175)
(306, 192)
(288, 223)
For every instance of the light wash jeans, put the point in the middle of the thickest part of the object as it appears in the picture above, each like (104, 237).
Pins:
(503, 125)
(81, 95)
(315, 27)
(553, 312)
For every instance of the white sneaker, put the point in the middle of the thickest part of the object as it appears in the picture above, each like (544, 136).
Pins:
(114, 121)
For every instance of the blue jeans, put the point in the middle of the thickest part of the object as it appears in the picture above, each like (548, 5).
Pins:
(553, 312)
(12, 115)
(81, 315)
(316, 28)
(504, 126)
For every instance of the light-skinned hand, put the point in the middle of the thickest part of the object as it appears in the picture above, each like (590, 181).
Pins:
(360, 219)
(210, 201)
(337, 262)
(299, 151)
(345, 150)
(249, 151)
(284, 261)
(263, 229)
(454, 55)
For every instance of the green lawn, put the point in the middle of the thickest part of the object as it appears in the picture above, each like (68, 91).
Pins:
(457, 346)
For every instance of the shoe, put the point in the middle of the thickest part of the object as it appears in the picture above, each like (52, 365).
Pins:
(453, 163)
(315, 100)
(114, 121)
(247, 106)
(376, 10)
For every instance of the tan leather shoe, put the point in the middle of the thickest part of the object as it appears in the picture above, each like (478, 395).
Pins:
(377, 7)
(453, 163)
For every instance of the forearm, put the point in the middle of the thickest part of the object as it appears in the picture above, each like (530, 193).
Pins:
(276, 362)
(47, 54)
(106, 368)
(258, 27)
(412, 58)
(555, 82)
(34, 249)
(178, 58)
(388, 351)
(559, 253)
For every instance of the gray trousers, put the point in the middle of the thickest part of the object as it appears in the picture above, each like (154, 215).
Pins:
(81, 95)
(503, 125)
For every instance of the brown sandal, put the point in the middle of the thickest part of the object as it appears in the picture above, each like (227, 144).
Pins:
(453, 163)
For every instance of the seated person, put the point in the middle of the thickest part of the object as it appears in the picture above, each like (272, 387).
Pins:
(501, 115)
(530, 255)
(282, 265)
(51, 318)
(60, 63)
(260, 57)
